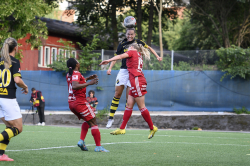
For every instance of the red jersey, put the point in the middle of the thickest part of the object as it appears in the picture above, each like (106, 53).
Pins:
(79, 94)
(134, 63)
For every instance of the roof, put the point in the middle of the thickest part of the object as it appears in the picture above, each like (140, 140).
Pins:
(61, 27)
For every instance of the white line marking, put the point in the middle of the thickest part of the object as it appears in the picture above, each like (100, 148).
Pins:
(188, 143)
(157, 135)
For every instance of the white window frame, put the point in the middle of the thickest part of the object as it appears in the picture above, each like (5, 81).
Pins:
(52, 56)
(59, 50)
(74, 52)
(41, 56)
(67, 51)
(46, 61)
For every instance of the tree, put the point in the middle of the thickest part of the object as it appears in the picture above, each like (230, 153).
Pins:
(99, 16)
(87, 59)
(19, 18)
(225, 19)
(160, 32)
(150, 22)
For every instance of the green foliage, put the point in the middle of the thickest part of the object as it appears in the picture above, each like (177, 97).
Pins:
(87, 59)
(195, 128)
(235, 61)
(183, 66)
(242, 110)
(99, 88)
(154, 64)
(19, 18)
(101, 114)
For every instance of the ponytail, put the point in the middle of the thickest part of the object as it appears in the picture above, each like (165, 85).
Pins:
(8, 46)
(70, 71)
(71, 64)
(144, 51)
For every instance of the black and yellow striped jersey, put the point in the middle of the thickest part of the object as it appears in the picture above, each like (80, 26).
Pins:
(7, 83)
(123, 47)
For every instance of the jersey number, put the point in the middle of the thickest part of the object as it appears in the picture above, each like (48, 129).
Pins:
(70, 89)
(8, 77)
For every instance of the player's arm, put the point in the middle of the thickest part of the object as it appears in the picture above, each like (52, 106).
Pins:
(18, 80)
(76, 85)
(118, 51)
(151, 49)
(110, 67)
(118, 57)
(156, 55)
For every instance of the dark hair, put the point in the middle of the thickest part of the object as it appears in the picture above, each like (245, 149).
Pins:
(128, 29)
(71, 64)
(92, 92)
(32, 89)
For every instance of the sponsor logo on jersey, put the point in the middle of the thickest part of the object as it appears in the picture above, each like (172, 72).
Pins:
(117, 81)
(3, 91)
(144, 85)
(132, 87)
(75, 77)
(133, 91)
(2, 63)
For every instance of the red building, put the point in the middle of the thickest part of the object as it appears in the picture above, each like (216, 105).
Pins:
(38, 59)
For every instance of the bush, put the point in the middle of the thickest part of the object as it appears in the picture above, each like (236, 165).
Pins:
(242, 110)
(234, 61)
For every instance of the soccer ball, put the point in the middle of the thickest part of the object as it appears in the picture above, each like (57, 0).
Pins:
(129, 22)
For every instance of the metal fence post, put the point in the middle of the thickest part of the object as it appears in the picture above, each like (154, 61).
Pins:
(172, 60)
(102, 54)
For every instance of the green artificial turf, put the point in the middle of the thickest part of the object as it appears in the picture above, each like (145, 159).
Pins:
(56, 146)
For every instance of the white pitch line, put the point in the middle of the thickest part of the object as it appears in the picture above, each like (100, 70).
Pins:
(157, 135)
(187, 143)
(60, 147)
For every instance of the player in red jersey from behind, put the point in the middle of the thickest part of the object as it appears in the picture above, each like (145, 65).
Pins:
(79, 106)
(138, 86)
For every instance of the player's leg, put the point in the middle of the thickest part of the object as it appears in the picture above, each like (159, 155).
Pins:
(97, 135)
(84, 131)
(126, 116)
(13, 121)
(76, 109)
(114, 104)
(145, 114)
(122, 81)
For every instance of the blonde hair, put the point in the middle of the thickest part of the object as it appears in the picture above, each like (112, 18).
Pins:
(140, 48)
(8, 46)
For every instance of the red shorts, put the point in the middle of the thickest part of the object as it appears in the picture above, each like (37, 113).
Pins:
(138, 86)
(82, 110)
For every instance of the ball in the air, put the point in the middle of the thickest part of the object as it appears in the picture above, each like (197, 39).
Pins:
(129, 22)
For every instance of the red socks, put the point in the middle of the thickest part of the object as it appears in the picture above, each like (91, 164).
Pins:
(84, 131)
(126, 116)
(145, 114)
(96, 134)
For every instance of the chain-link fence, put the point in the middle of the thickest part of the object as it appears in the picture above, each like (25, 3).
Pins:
(172, 60)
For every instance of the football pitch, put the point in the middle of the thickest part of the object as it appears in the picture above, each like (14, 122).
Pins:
(56, 146)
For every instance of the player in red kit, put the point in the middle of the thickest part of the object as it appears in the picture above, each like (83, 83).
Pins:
(79, 106)
(138, 86)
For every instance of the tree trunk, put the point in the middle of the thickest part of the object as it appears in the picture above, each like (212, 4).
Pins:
(139, 19)
(114, 24)
(150, 23)
(160, 32)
